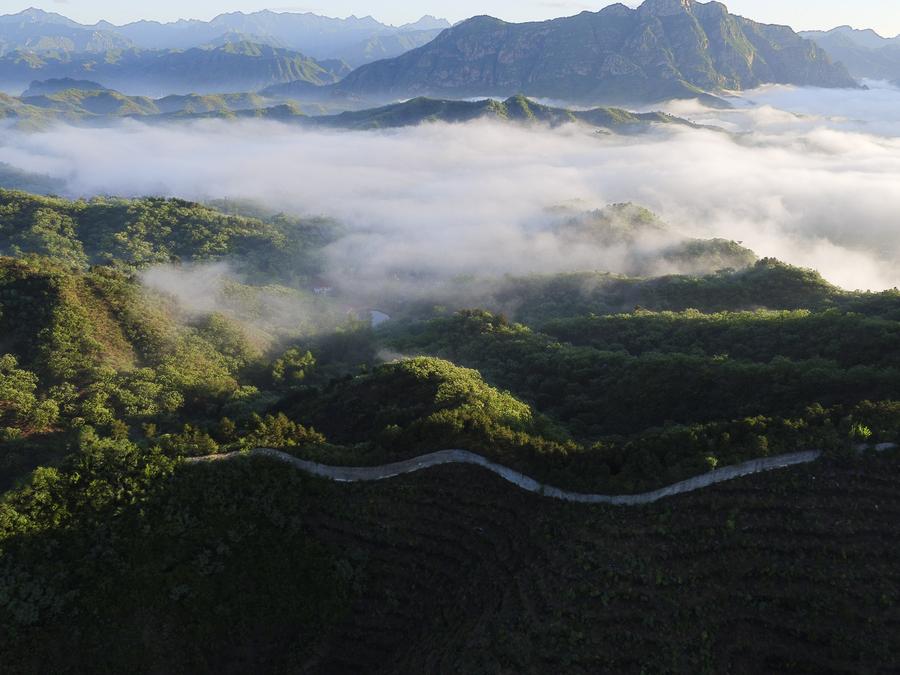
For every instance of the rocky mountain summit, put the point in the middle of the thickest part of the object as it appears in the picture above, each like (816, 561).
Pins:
(663, 49)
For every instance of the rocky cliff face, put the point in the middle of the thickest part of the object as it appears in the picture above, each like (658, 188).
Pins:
(664, 49)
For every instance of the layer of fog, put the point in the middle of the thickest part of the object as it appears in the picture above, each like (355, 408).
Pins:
(874, 110)
(810, 177)
(272, 312)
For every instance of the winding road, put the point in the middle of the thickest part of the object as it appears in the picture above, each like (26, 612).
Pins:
(345, 474)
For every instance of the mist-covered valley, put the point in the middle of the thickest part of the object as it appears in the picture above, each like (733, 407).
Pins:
(567, 346)
(804, 175)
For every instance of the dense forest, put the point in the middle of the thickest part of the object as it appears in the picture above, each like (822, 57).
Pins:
(589, 381)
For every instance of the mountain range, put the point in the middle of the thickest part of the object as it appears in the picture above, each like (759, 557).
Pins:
(355, 40)
(36, 30)
(231, 67)
(865, 53)
(663, 49)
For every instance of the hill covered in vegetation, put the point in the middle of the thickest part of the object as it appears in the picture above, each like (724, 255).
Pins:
(248, 564)
(81, 104)
(135, 334)
(516, 109)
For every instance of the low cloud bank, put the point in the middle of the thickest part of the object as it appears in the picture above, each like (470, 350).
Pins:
(808, 176)
(272, 311)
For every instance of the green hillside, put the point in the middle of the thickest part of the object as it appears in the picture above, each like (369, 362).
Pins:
(116, 553)
(137, 233)
(516, 109)
(103, 106)
(74, 311)
(249, 565)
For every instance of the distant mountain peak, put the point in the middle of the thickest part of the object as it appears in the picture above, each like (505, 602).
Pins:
(35, 15)
(427, 22)
(32, 11)
(861, 31)
(666, 7)
(480, 20)
(617, 9)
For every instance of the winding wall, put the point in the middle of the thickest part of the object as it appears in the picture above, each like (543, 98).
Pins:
(375, 473)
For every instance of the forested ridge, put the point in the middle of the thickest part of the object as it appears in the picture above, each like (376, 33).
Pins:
(592, 381)
(87, 103)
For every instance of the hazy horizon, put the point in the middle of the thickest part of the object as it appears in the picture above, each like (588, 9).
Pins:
(801, 15)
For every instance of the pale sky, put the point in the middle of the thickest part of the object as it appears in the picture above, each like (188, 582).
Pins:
(882, 15)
